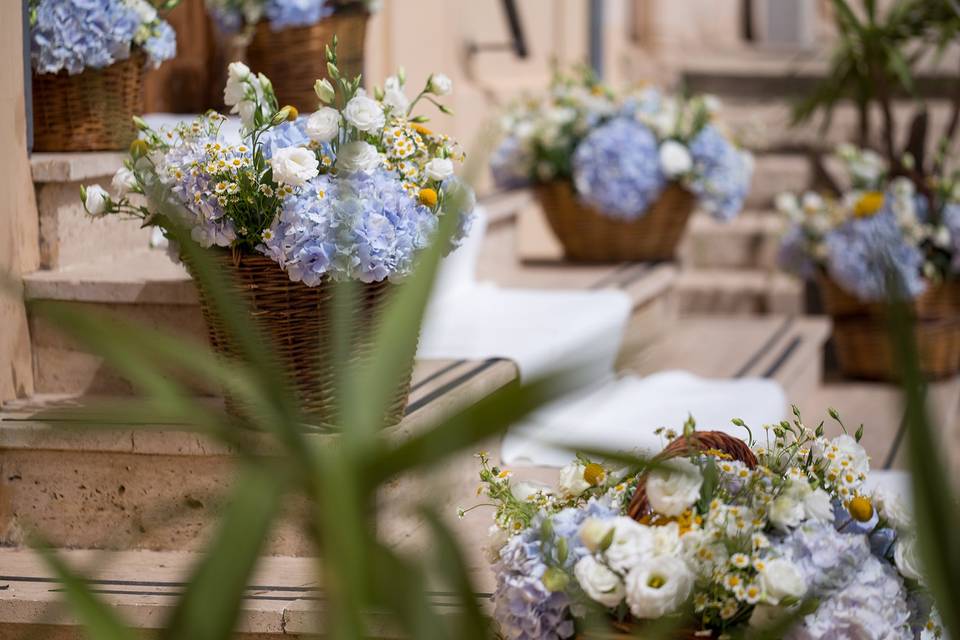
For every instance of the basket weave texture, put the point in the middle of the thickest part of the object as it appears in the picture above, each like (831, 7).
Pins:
(89, 111)
(294, 58)
(861, 336)
(590, 236)
(297, 321)
(684, 445)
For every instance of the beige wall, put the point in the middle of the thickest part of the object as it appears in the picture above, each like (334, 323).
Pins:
(18, 214)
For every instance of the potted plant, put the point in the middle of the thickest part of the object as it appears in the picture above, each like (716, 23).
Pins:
(618, 175)
(88, 61)
(716, 537)
(284, 39)
(351, 193)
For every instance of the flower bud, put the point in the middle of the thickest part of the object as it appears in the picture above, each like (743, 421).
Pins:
(324, 90)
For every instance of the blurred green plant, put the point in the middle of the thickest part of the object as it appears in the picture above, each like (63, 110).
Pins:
(876, 59)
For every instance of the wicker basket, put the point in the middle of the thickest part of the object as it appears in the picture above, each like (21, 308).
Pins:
(861, 336)
(590, 236)
(294, 58)
(89, 111)
(298, 322)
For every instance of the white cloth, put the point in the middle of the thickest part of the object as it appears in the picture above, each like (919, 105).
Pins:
(540, 330)
(622, 415)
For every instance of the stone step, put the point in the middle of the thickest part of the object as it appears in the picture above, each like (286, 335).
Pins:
(145, 286)
(749, 241)
(738, 291)
(68, 236)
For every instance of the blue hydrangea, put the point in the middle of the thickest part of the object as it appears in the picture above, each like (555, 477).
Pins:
(645, 102)
(721, 173)
(860, 596)
(296, 13)
(951, 220)
(510, 164)
(793, 255)
(862, 253)
(73, 35)
(362, 226)
(523, 607)
(286, 134)
(616, 169)
(461, 201)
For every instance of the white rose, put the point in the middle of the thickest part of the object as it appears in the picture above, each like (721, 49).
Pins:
(324, 90)
(675, 159)
(95, 200)
(631, 545)
(439, 169)
(673, 490)
(440, 84)
(658, 587)
(357, 156)
(599, 582)
(593, 532)
(323, 125)
(787, 511)
(124, 181)
(365, 114)
(893, 508)
(817, 506)
(572, 482)
(906, 558)
(235, 90)
(781, 579)
(294, 165)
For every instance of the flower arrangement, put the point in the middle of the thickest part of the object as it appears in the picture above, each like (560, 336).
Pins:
(622, 151)
(234, 15)
(73, 35)
(882, 225)
(720, 543)
(351, 192)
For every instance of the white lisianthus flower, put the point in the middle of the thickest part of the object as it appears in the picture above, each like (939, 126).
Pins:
(599, 582)
(496, 539)
(235, 90)
(247, 110)
(893, 508)
(324, 91)
(572, 482)
(658, 587)
(787, 511)
(96, 200)
(673, 490)
(666, 540)
(906, 558)
(524, 490)
(323, 125)
(593, 532)
(365, 114)
(811, 202)
(440, 84)
(631, 545)
(817, 506)
(294, 166)
(439, 169)
(780, 579)
(358, 156)
(123, 181)
(393, 95)
(675, 159)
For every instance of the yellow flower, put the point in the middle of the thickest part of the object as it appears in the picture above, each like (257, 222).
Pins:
(292, 113)
(593, 472)
(860, 508)
(138, 148)
(429, 198)
(419, 128)
(868, 204)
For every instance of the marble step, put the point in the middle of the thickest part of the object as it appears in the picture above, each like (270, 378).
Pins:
(749, 241)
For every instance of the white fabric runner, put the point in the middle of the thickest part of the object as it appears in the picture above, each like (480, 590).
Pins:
(622, 415)
(540, 330)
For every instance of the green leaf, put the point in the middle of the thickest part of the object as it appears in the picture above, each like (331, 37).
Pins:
(210, 605)
(97, 618)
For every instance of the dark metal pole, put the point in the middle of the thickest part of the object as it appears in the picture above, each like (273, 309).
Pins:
(596, 36)
(516, 28)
